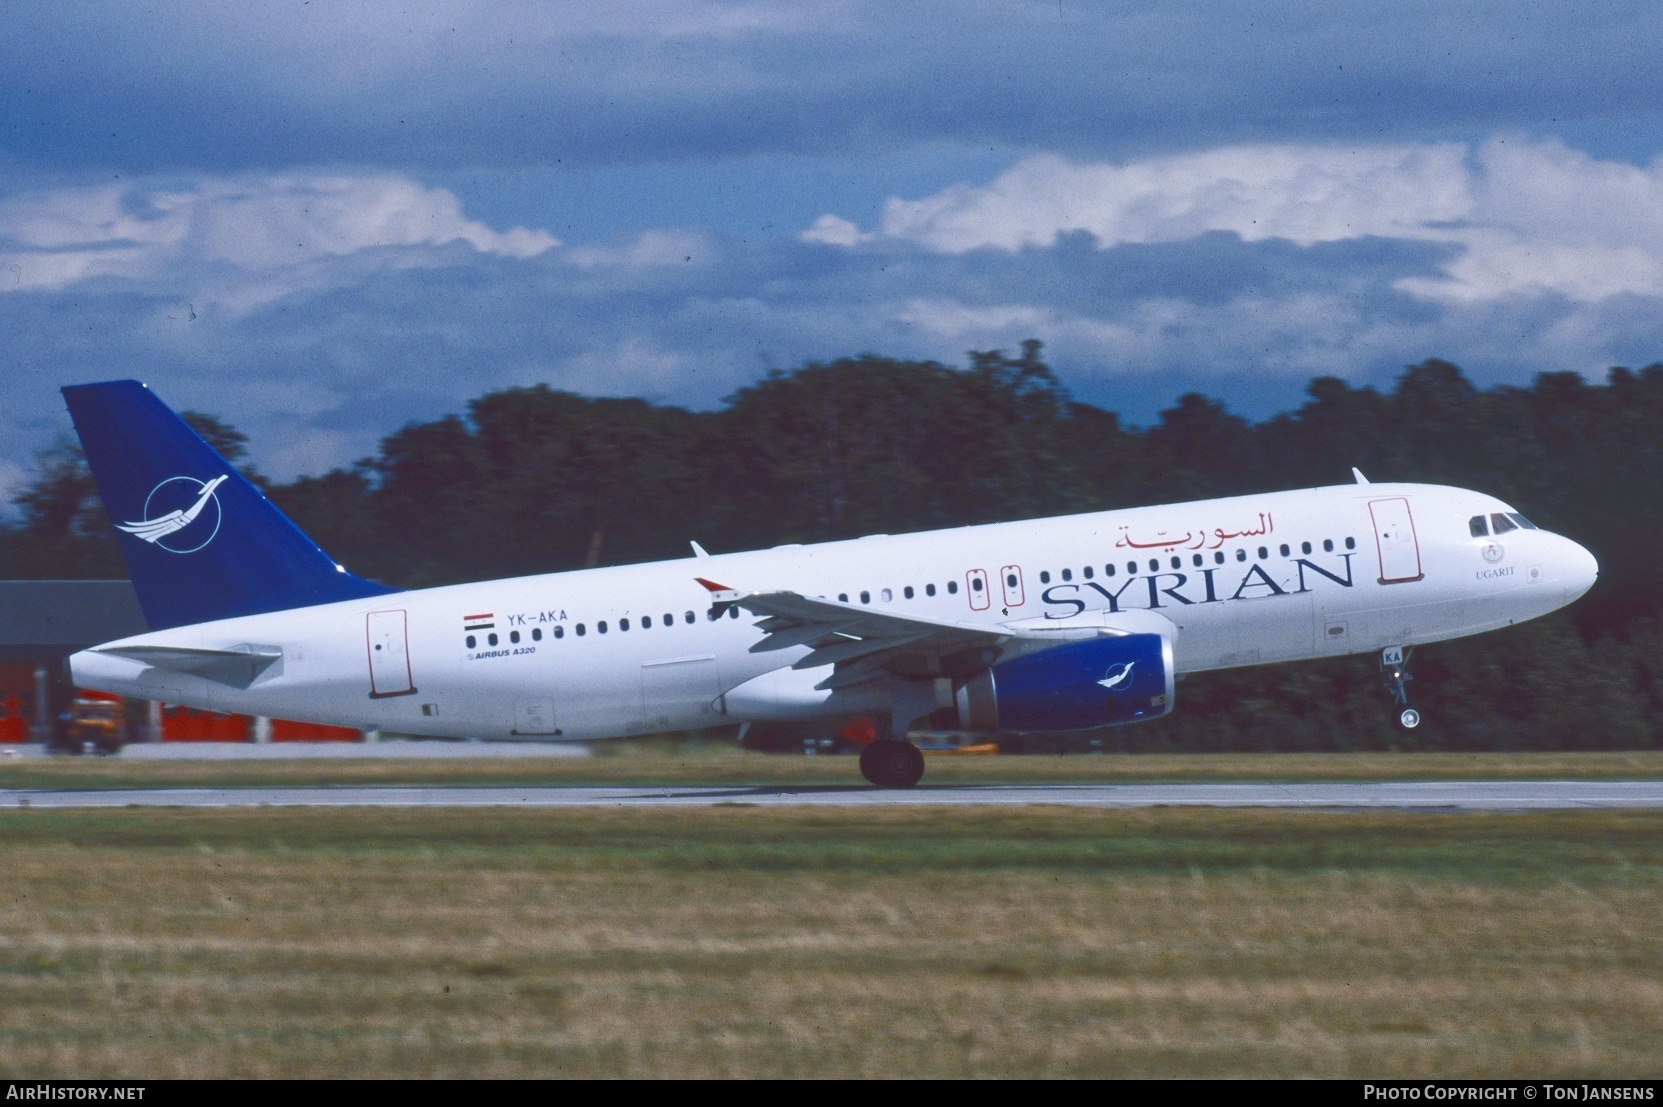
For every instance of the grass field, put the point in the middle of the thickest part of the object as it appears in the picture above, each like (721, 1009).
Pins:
(793, 942)
(723, 764)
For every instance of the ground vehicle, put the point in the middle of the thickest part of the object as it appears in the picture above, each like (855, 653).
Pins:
(94, 723)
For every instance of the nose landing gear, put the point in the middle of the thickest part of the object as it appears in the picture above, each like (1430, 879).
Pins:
(1394, 662)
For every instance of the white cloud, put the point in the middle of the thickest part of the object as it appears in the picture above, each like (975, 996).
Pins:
(650, 249)
(1524, 218)
(832, 230)
(950, 319)
(1306, 194)
(253, 224)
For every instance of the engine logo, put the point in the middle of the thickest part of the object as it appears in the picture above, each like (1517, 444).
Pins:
(1112, 679)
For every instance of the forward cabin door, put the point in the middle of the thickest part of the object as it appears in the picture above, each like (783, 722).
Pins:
(1394, 536)
(389, 650)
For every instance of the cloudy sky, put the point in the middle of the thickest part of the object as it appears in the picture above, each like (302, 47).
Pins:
(323, 220)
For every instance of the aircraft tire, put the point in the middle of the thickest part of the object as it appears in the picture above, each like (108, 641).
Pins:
(1408, 718)
(892, 764)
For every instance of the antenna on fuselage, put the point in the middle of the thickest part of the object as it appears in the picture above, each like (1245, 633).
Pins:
(1358, 474)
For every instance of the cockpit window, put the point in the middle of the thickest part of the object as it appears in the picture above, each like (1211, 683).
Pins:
(1502, 523)
(1479, 528)
(1522, 521)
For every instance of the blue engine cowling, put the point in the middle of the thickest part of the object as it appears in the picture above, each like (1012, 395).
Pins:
(1099, 682)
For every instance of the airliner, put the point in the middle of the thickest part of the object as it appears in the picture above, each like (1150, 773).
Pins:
(1055, 624)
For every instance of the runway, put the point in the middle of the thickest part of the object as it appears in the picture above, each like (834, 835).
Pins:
(1419, 796)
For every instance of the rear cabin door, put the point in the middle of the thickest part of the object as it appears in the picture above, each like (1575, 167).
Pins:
(976, 586)
(1394, 536)
(389, 650)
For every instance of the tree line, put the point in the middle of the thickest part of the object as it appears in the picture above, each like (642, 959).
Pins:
(536, 480)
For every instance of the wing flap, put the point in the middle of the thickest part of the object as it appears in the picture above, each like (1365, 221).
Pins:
(864, 644)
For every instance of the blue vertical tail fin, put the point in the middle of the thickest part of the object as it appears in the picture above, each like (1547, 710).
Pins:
(200, 542)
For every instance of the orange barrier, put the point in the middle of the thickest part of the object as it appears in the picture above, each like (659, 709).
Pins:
(286, 730)
(184, 724)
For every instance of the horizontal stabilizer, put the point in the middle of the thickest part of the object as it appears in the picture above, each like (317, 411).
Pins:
(237, 667)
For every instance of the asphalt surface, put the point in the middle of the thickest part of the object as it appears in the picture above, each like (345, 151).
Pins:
(1446, 796)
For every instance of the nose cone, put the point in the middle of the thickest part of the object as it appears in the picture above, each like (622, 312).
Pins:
(1577, 569)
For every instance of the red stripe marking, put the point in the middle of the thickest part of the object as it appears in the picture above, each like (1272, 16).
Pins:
(471, 618)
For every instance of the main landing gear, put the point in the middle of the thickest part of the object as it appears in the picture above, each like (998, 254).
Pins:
(891, 763)
(1394, 662)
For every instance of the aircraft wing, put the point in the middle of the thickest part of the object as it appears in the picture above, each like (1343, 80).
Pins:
(864, 644)
(237, 667)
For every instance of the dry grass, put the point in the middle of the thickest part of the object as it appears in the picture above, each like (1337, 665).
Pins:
(752, 942)
(712, 763)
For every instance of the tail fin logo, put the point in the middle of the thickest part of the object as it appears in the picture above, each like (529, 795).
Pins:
(181, 515)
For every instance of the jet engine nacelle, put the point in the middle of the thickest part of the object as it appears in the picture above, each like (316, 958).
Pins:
(1123, 678)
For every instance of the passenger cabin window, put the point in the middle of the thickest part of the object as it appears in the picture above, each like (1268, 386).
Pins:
(688, 618)
(843, 597)
(491, 638)
(1132, 568)
(1479, 528)
(733, 612)
(929, 590)
(1108, 570)
(1304, 547)
(1177, 561)
(580, 630)
(536, 634)
(560, 632)
(1263, 553)
(1067, 574)
(866, 597)
(600, 627)
(1283, 549)
(952, 588)
(1502, 523)
(1154, 565)
(646, 622)
(623, 624)
(1196, 559)
(471, 642)
(907, 591)
(1241, 555)
(1087, 572)
(1351, 543)
(1327, 545)
(1218, 557)
(1044, 576)
(886, 595)
(514, 637)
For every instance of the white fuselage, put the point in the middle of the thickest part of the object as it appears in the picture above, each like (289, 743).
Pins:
(633, 649)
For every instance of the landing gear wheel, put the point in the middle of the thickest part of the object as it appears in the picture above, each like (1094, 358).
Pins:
(889, 763)
(1408, 718)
